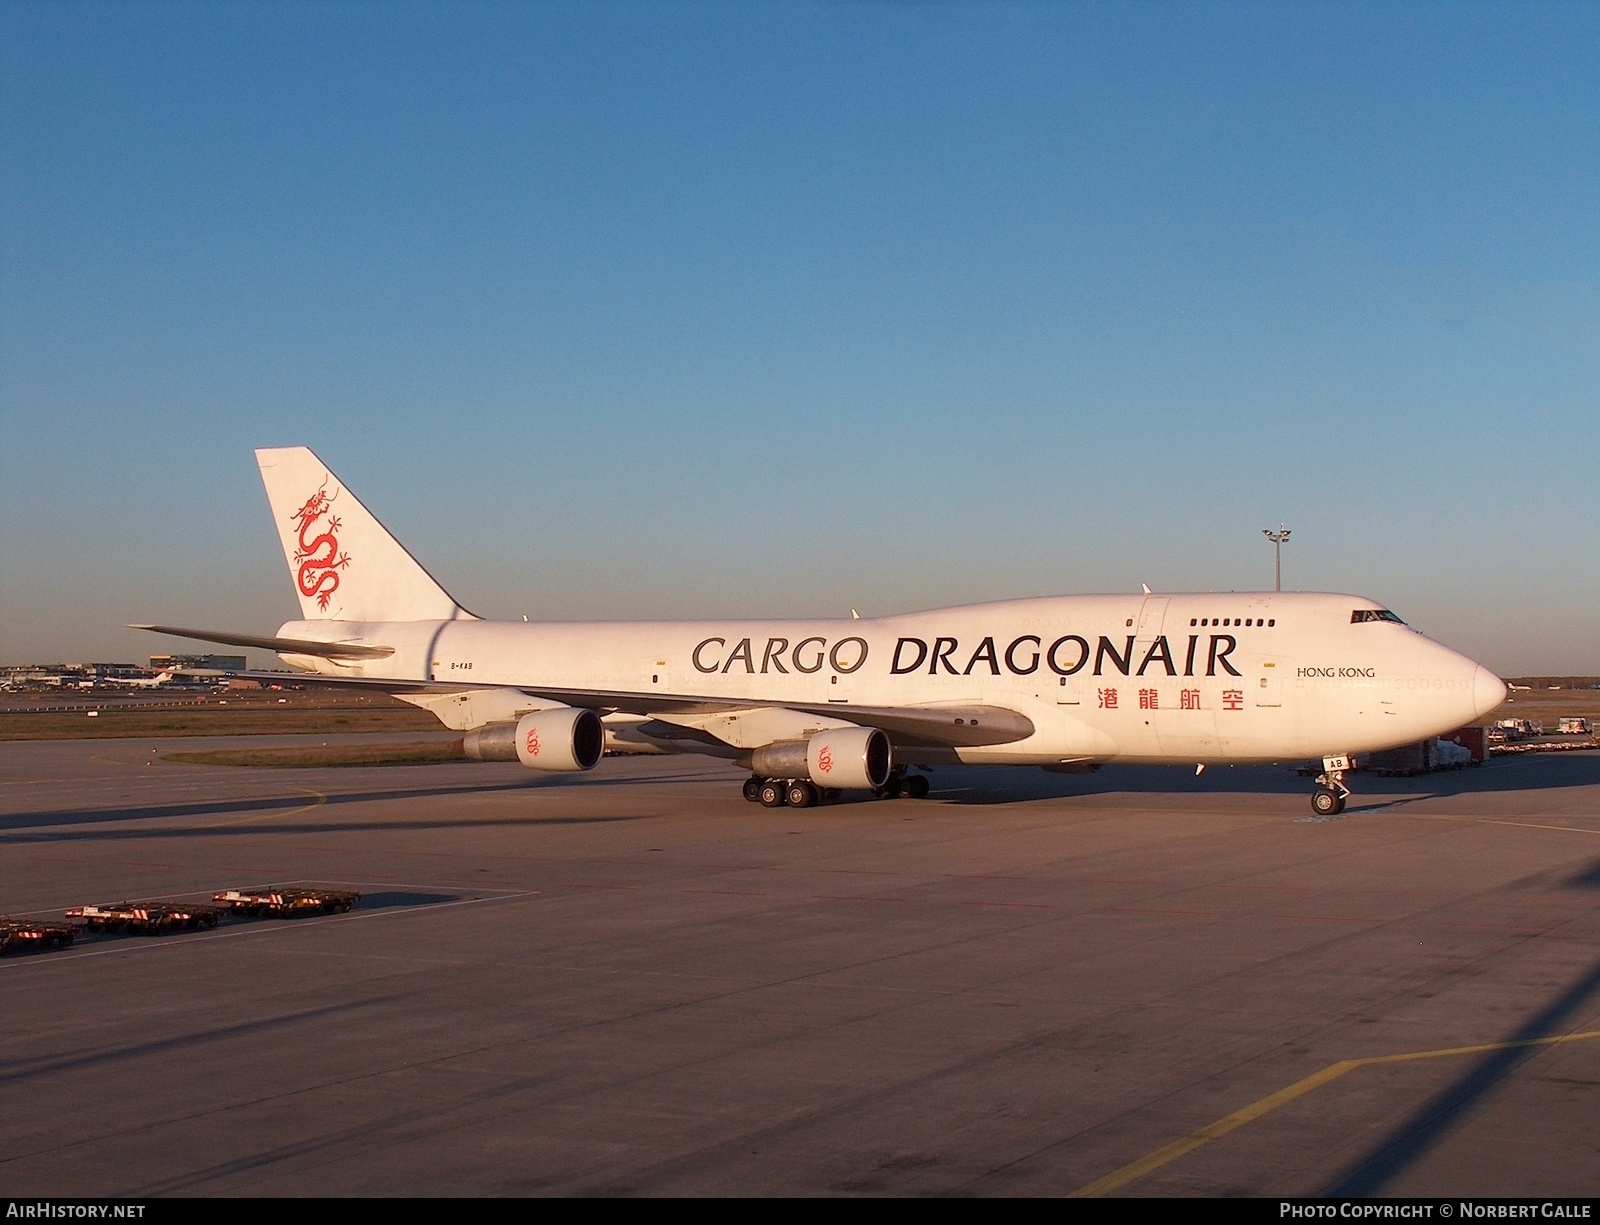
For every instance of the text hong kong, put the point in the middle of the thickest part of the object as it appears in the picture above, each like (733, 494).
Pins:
(1200, 655)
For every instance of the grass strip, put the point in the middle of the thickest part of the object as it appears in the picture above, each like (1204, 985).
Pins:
(131, 722)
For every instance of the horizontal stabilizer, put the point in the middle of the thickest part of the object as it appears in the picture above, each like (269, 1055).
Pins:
(288, 646)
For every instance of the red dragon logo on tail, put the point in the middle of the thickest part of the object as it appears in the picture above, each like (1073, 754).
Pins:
(318, 556)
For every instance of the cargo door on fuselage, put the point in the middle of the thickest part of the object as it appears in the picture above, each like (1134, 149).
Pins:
(1154, 690)
(1152, 614)
(1177, 712)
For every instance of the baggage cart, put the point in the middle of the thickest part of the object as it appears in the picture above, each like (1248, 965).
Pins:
(271, 903)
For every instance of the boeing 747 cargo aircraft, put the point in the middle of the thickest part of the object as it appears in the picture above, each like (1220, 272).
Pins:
(815, 707)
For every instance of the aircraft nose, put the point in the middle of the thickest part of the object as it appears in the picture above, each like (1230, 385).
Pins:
(1488, 690)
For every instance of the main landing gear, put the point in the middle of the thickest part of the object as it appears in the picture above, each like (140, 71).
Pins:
(1331, 793)
(786, 792)
(801, 793)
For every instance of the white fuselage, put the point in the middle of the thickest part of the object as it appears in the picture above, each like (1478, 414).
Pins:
(1258, 676)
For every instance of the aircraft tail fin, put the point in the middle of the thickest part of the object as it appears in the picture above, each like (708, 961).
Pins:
(345, 565)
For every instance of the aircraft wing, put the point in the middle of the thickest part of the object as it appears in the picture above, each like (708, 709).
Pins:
(953, 726)
(947, 726)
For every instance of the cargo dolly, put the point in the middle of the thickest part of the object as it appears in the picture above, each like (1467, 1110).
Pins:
(286, 903)
(23, 935)
(146, 918)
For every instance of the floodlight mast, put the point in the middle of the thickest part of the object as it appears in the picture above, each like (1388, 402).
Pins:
(1277, 538)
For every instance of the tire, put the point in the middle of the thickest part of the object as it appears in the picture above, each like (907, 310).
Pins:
(772, 794)
(1326, 802)
(752, 790)
(917, 787)
(800, 794)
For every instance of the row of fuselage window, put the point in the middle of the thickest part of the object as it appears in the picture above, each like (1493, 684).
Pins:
(1247, 621)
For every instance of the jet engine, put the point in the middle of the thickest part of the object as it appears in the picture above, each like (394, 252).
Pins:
(567, 738)
(839, 757)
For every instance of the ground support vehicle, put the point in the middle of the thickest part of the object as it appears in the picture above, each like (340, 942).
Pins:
(286, 903)
(25, 935)
(146, 918)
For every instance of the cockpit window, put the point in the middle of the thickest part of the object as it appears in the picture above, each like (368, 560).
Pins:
(1373, 614)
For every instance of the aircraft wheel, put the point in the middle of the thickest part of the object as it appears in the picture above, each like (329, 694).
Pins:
(1326, 802)
(752, 789)
(800, 794)
(917, 787)
(772, 794)
(891, 790)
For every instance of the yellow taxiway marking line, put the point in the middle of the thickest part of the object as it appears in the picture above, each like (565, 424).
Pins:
(1254, 1111)
(1434, 816)
(318, 802)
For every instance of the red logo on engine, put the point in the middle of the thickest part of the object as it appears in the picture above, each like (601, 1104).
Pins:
(825, 760)
(318, 556)
(533, 742)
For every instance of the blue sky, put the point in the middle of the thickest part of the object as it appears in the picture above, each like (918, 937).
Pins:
(678, 310)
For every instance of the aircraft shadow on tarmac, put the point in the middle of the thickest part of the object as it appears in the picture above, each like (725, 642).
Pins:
(1003, 785)
(1587, 879)
(1434, 1119)
(267, 804)
(397, 899)
(278, 829)
(957, 785)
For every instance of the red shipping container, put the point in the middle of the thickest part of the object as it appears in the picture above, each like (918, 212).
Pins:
(1474, 739)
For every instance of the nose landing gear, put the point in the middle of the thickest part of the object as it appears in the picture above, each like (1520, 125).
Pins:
(1331, 793)
(901, 782)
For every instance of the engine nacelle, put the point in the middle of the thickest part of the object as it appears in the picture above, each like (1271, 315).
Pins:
(857, 757)
(849, 757)
(567, 739)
